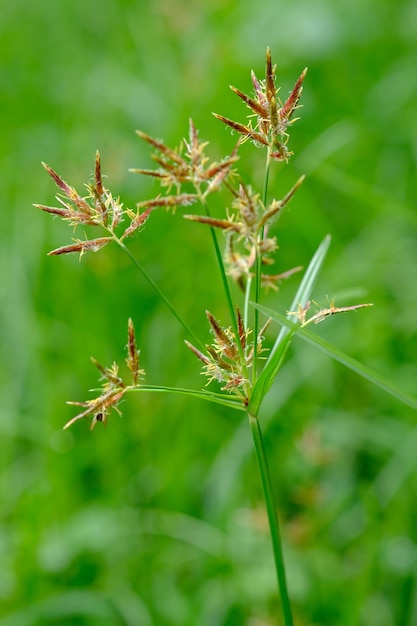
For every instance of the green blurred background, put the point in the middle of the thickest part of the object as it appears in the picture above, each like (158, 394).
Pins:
(158, 519)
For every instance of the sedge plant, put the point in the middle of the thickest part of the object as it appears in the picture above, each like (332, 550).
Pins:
(238, 363)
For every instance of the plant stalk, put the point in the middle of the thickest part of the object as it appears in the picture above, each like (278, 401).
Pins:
(272, 518)
(258, 271)
(225, 283)
(159, 292)
(221, 265)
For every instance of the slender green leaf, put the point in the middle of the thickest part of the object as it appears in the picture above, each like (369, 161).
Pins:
(364, 371)
(218, 398)
(283, 340)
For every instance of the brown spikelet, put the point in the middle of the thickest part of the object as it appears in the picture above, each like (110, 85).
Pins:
(92, 245)
(183, 199)
(258, 90)
(197, 352)
(224, 342)
(98, 194)
(291, 103)
(269, 76)
(271, 90)
(147, 172)
(64, 213)
(247, 204)
(220, 170)
(217, 358)
(58, 180)
(109, 373)
(194, 147)
(98, 365)
(69, 191)
(132, 352)
(332, 310)
(137, 222)
(246, 131)
(255, 105)
(159, 145)
(240, 128)
(292, 191)
(98, 407)
(211, 221)
(217, 329)
(97, 176)
(241, 329)
(269, 281)
(277, 205)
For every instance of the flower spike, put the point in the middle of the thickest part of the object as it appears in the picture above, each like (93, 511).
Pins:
(271, 117)
(113, 387)
(187, 164)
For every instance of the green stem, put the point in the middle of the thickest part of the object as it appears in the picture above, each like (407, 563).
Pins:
(272, 518)
(159, 292)
(221, 266)
(225, 285)
(247, 301)
(258, 271)
(266, 177)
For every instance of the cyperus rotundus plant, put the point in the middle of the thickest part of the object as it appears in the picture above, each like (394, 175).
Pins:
(238, 362)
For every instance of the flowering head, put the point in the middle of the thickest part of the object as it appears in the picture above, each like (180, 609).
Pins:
(271, 116)
(187, 164)
(99, 208)
(113, 386)
(246, 228)
(229, 358)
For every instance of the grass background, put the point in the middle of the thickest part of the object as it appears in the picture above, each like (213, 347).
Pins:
(158, 519)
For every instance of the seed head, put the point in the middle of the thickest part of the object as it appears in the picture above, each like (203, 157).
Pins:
(187, 164)
(113, 387)
(99, 209)
(272, 118)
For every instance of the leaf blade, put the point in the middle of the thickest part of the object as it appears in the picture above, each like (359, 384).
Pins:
(281, 345)
(362, 370)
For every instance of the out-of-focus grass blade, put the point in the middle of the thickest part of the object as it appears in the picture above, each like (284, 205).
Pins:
(283, 340)
(345, 359)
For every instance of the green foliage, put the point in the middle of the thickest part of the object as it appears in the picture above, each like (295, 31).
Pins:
(158, 518)
(282, 342)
